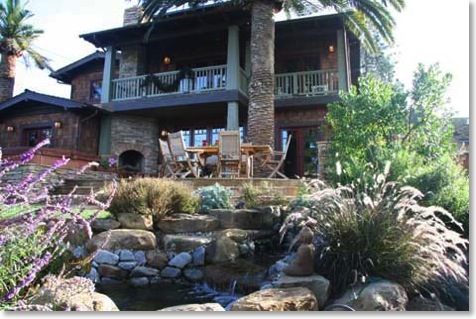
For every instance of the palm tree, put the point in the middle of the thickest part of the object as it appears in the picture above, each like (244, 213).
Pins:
(16, 38)
(361, 18)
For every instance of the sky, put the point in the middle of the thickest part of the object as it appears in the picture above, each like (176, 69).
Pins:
(425, 33)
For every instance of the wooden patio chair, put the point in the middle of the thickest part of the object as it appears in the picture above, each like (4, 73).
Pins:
(181, 157)
(275, 161)
(229, 154)
(168, 167)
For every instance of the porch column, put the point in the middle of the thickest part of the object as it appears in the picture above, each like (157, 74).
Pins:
(233, 75)
(108, 74)
(105, 135)
(233, 59)
(341, 61)
(232, 123)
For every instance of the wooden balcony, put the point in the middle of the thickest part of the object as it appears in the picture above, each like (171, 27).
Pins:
(308, 83)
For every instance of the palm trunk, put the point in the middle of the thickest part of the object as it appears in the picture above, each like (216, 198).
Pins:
(261, 88)
(7, 76)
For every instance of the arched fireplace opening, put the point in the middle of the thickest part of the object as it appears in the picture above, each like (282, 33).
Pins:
(131, 162)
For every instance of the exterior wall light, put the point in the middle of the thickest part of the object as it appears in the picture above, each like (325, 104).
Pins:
(331, 48)
(167, 60)
(58, 124)
(10, 128)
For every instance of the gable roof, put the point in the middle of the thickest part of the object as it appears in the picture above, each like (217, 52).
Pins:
(28, 95)
(66, 73)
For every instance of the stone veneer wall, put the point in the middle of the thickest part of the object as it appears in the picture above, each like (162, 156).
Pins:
(133, 58)
(137, 134)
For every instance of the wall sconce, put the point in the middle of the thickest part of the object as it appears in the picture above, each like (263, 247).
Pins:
(331, 48)
(10, 128)
(164, 133)
(167, 60)
(58, 124)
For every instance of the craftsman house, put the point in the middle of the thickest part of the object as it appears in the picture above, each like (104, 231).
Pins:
(189, 71)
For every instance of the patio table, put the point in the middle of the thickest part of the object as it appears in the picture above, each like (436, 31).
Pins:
(249, 150)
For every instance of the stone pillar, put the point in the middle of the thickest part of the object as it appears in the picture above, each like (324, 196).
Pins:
(342, 61)
(108, 75)
(232, 121)
(133, 60)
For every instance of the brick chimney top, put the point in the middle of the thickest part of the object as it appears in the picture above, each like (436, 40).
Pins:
(133, 15)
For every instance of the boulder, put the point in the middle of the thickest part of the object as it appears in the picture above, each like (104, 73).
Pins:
(142, 271)
(170, 272)
(245, 218)
(127, 265)
(133, 239)
(106, 257)
(156, 259)
(195, 307)
(198, 256)
(319, 285)
(376, 296)
(277, 299)
(100, 225)
(187, 223)
(125, 255)
(112, 272)
(140, 258)
(135, 221)
(237, 235)
(222, 250)
(181, 260)
(183, 243)
(193, 275)
(93, 301)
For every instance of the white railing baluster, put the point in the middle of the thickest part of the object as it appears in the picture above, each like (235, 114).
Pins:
(306, 83)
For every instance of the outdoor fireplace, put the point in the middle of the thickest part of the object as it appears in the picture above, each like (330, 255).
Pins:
(131, 161)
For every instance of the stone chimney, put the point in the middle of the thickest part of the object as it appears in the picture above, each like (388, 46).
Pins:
(133, 15)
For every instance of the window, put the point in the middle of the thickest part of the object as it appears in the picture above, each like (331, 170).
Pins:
(96, 90)
(199, 135)
(33, 136)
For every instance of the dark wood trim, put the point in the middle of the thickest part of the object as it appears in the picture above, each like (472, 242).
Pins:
(305, 100)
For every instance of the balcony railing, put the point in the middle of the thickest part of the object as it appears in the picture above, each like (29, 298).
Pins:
(308, 83)
(203, 79)
(213, 78)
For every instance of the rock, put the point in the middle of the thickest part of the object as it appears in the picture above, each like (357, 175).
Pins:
(221, 250)
(198, 256)
(106, 257)
(156, 259)
(140, 257)
(126, 255)
(170, 272)
(75, 293)
(237, 235)
(110, 281)
(93, 275)
(92, 302)
(141, 271)
(319, 285)
(112, 272)
(377, 296)
(187, 223)
(277, 299)
(244, 218)
(181, 260)
(183, 243)
(196, 307)
(193, 275)
(135, 221)
(80, 252)
(138, 281)
(127, 265)
(100, 225)
(123, 239)
(244, 275)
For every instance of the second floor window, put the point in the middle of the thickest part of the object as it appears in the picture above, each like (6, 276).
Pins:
(33, 136)
(96, 90)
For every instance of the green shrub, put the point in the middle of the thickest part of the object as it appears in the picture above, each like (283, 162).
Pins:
(260, 195)
(380, 230)
(214, 197)
(152, 196)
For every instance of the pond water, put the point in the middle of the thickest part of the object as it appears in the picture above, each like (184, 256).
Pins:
(162, 295)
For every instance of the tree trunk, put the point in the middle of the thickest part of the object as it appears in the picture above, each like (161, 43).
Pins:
(261, 88)
(7, 76)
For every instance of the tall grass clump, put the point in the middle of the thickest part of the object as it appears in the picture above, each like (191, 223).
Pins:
(153, 196)
(33, 227)
(380, 230)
